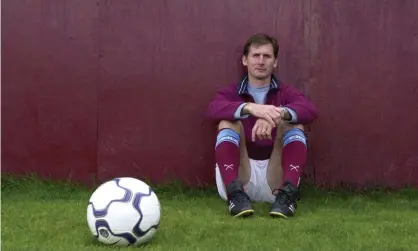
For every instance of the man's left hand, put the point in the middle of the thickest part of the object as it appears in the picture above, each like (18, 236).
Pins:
(261, 130)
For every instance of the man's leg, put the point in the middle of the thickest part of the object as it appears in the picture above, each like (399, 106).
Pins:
(286, 167)
(234, 166)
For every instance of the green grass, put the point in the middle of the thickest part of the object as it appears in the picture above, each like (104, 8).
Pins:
(40, 215)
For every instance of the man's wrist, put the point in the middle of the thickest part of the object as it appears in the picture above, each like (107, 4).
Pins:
(246, 109)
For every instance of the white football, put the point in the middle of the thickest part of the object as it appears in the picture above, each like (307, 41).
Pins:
(123, 212)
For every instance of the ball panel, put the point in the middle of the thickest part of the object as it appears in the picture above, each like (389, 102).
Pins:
(91, 220)
(123, 217)
(135, 185)
(144, 224)
(111, 189)
(150, 209)
(108, 237)
(148, 236)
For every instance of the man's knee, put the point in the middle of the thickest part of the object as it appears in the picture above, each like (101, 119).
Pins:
(286, 131)
(287, 126)
(234, 125)
(293, 133)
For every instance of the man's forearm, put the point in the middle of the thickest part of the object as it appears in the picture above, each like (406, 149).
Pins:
(239, 114)
(246, 110)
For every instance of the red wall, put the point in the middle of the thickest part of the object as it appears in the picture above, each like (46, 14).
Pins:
(364, 68)
(97, 89)
(49, 88)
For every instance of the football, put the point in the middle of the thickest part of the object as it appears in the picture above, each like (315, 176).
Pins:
(123, 212)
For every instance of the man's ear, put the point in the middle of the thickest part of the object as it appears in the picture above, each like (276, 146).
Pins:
(244, 60)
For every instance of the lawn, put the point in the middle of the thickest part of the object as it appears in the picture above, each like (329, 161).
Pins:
(39, 215)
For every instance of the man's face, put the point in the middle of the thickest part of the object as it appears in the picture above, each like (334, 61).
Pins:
(260, 61)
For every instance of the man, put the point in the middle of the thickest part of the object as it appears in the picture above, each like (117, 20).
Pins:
(261, 147)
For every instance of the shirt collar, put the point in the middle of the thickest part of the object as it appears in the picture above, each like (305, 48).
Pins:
(243, 85)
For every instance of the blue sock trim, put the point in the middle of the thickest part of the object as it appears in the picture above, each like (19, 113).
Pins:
(294, 134)
(227, 135)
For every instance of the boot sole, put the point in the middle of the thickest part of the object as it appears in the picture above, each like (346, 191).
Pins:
(278, 215)
(245, 213)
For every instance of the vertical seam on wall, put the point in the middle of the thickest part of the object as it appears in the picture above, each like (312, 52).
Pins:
(309, 22)
(99, 76)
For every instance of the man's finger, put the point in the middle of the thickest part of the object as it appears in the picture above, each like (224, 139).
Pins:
(270, 120)
(274, 113)
(279, 109)
(253, 132)
(269, 129)
(277, 121)
(260, 131)
(266, 129)
(276, 116)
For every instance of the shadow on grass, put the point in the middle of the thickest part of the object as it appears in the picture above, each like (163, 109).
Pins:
(67, 190)
(92, 242)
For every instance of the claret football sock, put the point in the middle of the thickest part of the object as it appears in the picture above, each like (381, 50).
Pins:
(294, 155)
(227, 154)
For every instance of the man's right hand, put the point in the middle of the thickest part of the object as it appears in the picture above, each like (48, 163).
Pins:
(271, 113)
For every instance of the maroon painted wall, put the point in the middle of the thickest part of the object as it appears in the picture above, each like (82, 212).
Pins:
(364, 68)
(97, 89)
(49, 88)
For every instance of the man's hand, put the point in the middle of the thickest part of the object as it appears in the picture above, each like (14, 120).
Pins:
(261, 130)
(272, 114)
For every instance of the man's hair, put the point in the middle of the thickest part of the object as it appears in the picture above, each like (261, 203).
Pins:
(261, 39)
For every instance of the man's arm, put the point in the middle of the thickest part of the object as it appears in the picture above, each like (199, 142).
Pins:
(242, 112)
(298, 106)
(226, 105)
(271, 113)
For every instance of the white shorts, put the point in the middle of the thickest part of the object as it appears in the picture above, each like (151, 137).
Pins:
(257, 188)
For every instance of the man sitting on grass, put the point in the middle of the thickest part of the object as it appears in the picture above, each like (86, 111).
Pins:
(261, 146)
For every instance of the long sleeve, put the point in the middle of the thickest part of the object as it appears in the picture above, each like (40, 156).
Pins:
(304, 109)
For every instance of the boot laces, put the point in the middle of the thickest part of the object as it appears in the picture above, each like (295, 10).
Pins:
(281, 196)
(240, 196)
